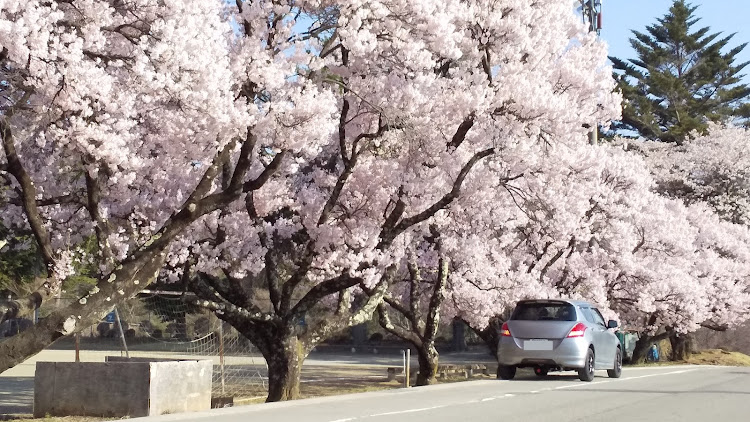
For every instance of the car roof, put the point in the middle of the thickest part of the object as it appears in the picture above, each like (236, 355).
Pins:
(570, 301)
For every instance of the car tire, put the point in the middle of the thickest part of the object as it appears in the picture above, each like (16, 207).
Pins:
(506, 372)
(587, 372)
(541, 371)
(617, 370)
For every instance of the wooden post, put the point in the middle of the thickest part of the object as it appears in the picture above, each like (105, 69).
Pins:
(408, 366)
(406, 371)
(122, 334)
(78, 347)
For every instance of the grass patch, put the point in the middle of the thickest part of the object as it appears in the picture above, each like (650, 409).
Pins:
(335, 387)
(719, 357)
(323, 389)
(706, 357)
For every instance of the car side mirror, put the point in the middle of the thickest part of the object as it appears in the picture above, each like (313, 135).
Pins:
(611, 323)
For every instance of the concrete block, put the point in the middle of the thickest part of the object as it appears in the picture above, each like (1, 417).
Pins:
(117, 388)
(178, 387)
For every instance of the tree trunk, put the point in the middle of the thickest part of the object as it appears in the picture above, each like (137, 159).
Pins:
(285, 370)
(284, 354)
(428, 357)
(644, 343)
(640, 352)
(683, 346)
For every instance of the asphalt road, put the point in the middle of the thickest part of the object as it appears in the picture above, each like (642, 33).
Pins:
(674, 393)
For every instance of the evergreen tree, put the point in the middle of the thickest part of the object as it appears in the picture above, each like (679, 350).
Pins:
(681, 79)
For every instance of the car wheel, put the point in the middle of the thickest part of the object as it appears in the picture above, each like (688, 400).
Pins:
(541, 371)
(617, 371)
(587, 372)
(506, 372)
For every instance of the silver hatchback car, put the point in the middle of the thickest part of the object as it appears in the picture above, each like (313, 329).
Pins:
(558, 335)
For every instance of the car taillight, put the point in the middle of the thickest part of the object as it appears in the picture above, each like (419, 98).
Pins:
(577, 331)
(504, 331)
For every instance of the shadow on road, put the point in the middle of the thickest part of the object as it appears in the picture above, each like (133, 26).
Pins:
(16, 395)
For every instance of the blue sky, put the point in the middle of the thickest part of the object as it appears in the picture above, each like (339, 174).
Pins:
(726, 16)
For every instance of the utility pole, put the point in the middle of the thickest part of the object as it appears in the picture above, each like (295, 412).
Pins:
(591, 12)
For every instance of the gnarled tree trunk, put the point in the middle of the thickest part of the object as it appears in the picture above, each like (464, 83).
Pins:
(283, 345)
(420, 333)
(683, 345)
(640, 352)
(643, 344)
(282, 349)
(427, 356)
(489, 334)
(284, 357)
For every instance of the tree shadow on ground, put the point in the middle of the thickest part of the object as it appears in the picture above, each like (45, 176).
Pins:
(16, 395)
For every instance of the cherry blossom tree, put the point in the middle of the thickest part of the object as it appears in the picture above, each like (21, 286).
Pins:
(433, 99)
(116, 120)
(712, 169)
(532, 235)
(279, 155)
(593, 227)
(709, 171)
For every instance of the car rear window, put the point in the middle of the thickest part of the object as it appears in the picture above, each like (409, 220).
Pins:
(544, 312)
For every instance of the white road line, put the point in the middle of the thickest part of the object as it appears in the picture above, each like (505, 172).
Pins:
(507, 395)
(624, 379)
(423, 409)
(492, 398)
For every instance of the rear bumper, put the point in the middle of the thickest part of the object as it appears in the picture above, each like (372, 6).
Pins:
(569, 353)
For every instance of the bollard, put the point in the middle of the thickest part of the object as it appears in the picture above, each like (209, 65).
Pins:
(403, 355)
(408, 365)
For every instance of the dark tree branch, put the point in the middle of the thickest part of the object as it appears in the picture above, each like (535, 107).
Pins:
(299, 275)
(415, 279)
(210, 296)
(28, 196)
(272, 282)
(436, 301)
(210, 174)
(462, 131)
(342, 131)
(93, 197)
(385, 321)
(403, 310)
(243, 162)
(264, 176)
(321, 290)
(387, 236)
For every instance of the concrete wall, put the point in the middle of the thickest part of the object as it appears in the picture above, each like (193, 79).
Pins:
(180, 387)
(132, 388)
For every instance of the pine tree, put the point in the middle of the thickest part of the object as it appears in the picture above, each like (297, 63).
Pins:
(682, 79)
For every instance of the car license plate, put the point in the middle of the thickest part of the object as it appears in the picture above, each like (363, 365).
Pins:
(537, 345)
